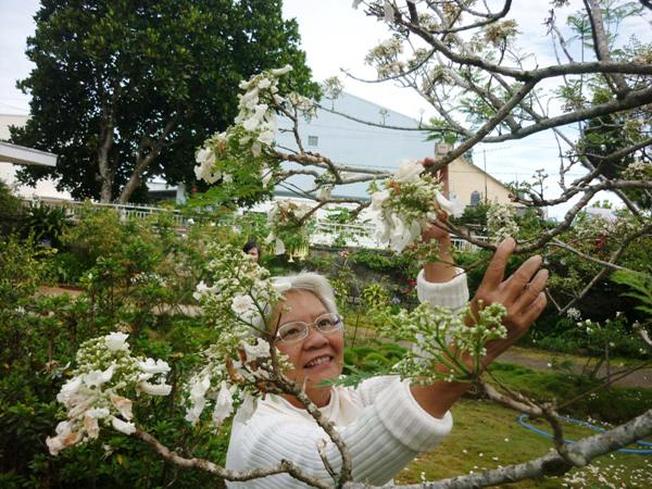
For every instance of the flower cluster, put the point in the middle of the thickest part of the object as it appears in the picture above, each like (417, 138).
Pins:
(252, 134)
(407, 205)
(638, 170)
(240, 365)
(289, 227)
(444, 336)
(501, 222)
(97, 392)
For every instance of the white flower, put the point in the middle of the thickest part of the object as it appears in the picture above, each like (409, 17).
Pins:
(243, 305)
(573, 313)
(325, 192)
(259, 350)
(155, 389)
(204, 170)
(197, 398)
(123, 426)
(378, 198)
(96, 378)
(266, 137)
(452, 208)
(247, 408)
(264, 83)
(123, 405)
(202, 289)
(256, 119)
(91, 425)
(267, 175)
(281, 71)
(408, 172)
(279, 247)
(69, 391)
(223, 405)
(256, 149)
(389, 11)
(117, 341)
(65, 438)
(151, 366)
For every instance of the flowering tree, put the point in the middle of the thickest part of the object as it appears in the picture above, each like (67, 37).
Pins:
(460, 57)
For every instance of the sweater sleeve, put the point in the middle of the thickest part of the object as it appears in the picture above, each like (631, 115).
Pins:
(453, 294)
(382, 440)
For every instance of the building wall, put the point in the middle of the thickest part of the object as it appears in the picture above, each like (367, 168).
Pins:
(44, 188)
(465, 178)
(7, 120)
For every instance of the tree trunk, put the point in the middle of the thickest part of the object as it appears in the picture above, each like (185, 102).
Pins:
(144, 161)
(106, 171)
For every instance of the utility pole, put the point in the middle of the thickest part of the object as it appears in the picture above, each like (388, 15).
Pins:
(484, 159)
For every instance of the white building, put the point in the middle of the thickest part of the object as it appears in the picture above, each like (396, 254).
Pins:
(12, 157)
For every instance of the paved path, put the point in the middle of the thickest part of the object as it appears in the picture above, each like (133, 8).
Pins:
(537, 360)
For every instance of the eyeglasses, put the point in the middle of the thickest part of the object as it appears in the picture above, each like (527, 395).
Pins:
(298, 330)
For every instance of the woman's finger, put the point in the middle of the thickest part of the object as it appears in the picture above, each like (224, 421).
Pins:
(531, 291)
(496, 268)
(535, 310)
(516, 282)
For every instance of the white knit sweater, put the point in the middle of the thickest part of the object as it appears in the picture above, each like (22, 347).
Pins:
(382, 425)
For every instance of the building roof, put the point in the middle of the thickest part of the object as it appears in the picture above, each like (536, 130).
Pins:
(20, 155)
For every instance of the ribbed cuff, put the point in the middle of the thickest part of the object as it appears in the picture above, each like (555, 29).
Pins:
(408, 422)
(453, 294)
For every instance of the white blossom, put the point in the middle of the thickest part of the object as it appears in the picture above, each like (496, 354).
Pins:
(198, 390)
(123, 426)
(96, 378)
(123, 405)
(202, 289)
(69, 391)
(154, 389)
(223, 405)
(259, 350)
(408, 172)
(151, 366)
(243, 305)
(117, 342)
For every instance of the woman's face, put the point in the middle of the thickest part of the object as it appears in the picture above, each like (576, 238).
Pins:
(253, 253)
(319, 356)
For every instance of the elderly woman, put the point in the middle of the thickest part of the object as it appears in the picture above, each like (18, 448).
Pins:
(385, 422)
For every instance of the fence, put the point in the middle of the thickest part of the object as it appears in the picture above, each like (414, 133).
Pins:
(327, 233)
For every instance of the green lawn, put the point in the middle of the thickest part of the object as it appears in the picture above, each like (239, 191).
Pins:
(485, 436)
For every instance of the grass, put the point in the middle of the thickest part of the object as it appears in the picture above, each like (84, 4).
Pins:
(485, 436)
(546, 355)
(614, 404)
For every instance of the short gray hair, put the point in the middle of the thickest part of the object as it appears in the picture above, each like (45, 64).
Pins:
(309, 281)
(312, 282)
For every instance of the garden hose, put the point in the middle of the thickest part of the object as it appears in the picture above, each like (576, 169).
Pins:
(523, 418)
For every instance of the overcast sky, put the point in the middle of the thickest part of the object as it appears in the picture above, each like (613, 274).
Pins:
(335, 36)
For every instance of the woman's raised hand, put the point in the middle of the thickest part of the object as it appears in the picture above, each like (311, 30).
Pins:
(522, 294)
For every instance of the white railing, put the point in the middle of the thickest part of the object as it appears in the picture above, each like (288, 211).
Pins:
(74, 209)
(327, 233)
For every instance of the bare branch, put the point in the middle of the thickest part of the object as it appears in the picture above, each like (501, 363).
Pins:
(285, 467)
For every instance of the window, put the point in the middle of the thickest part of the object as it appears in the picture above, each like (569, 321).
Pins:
(475, 198)
(313, 141)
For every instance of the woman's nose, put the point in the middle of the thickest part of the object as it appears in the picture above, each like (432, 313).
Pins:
(315, 338)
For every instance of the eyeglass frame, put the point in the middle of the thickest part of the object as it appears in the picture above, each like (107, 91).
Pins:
(339, 326)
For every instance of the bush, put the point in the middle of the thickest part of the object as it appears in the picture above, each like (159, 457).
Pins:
(12, 211)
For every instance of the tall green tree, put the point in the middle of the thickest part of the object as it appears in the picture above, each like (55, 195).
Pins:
(124, 90)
